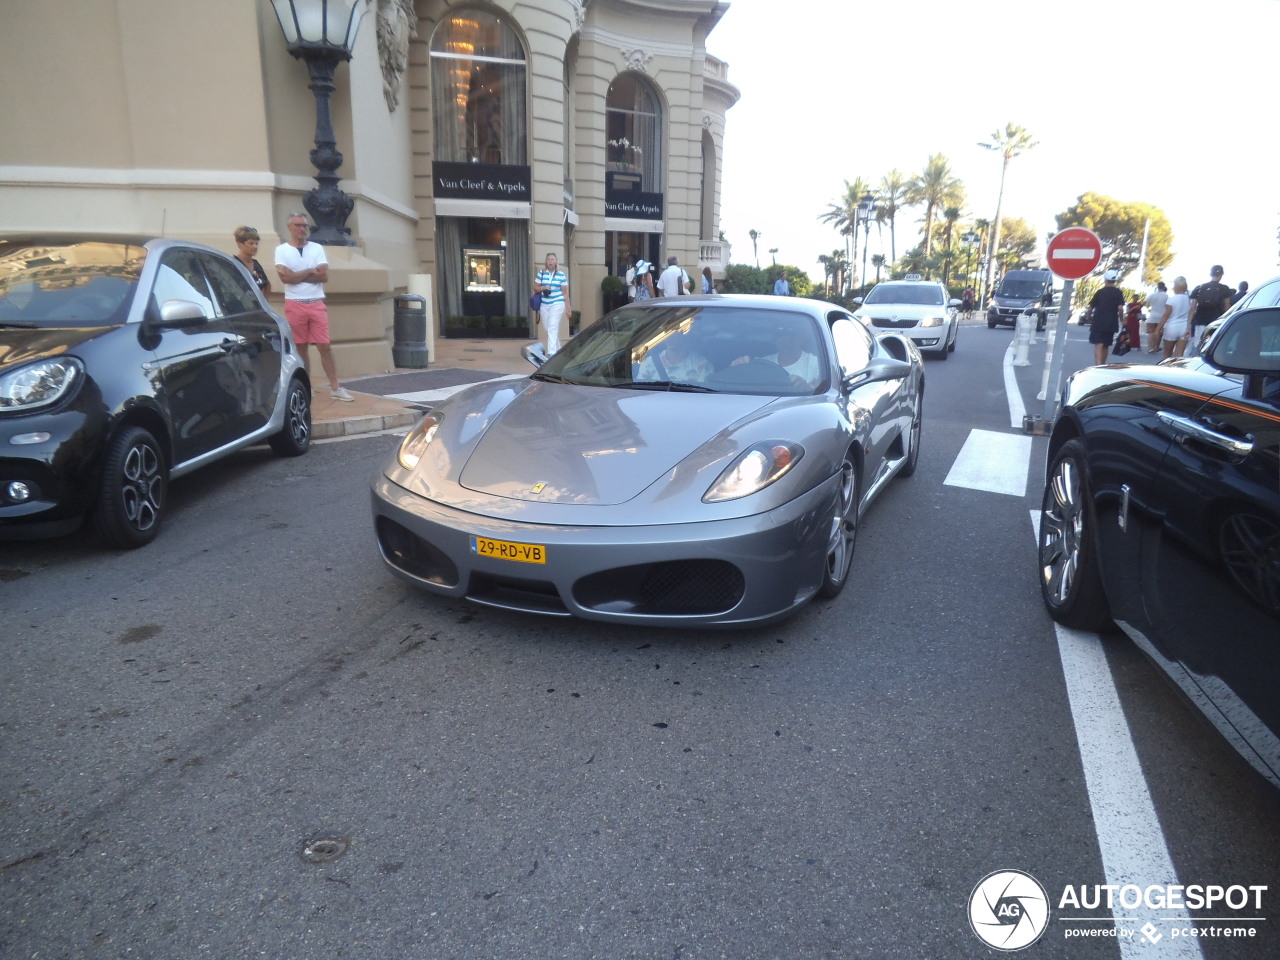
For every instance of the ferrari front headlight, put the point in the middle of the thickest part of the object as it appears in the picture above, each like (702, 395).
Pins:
(753, 470)
(39, 384)
(419, 438)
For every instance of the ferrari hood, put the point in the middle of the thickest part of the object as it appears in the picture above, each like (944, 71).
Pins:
(558, 443)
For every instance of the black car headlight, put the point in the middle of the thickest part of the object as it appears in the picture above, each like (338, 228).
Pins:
(419, 438)
(754, 469)
(39, 384)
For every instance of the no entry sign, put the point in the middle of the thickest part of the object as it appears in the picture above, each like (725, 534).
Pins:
(1074, 253)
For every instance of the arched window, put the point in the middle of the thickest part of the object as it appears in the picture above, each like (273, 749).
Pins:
(478, 76)
(633, 125)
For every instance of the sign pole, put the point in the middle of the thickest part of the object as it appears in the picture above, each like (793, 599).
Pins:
(1059, 348)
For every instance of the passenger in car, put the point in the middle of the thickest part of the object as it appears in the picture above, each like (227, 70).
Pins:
(675, 359)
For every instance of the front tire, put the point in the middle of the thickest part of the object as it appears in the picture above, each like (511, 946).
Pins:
(843, 533)
(913, 437)
(1070, 577)
(132, 498)
(294, 438)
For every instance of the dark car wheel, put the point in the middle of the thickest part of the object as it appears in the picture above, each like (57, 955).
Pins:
(1070, 580)
(294, 438)
(991, 324)
(955, 335)
(131, 501)
(913, 437)
(843, 534)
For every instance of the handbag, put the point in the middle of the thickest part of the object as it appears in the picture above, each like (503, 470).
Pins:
(1122, 344)
(535, 302)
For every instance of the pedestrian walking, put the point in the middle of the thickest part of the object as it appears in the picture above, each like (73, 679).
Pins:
(780, 286)
(304, 270)
(553, 284)
(1241, 290)
(967, 301)
(673, 281)
(1175, 326)
(1208, 301)
(1155, 304)
(1106, 310)
(708, 283)
(630, 278)
(644, 281)
(1133, 321)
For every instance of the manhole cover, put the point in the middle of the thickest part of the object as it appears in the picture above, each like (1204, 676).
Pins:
(325, 849)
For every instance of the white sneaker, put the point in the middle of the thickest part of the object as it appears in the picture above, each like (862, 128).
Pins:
(342, 394)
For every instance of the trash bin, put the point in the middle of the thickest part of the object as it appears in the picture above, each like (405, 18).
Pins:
(409, 348)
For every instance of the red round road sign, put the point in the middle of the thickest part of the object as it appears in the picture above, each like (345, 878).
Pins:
(1074, 253)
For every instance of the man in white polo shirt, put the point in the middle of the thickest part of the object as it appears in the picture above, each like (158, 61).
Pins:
(304, 270)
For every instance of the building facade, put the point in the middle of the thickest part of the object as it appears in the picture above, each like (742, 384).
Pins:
(476, 137)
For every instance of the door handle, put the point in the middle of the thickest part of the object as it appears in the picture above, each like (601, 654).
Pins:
(1187, 429)
(228, 345)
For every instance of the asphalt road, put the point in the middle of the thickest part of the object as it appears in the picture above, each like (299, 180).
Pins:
(186, 729)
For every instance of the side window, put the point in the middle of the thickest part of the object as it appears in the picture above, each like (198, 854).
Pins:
(232, 291)
(853, 343)
(180, 278)
(1268, 295)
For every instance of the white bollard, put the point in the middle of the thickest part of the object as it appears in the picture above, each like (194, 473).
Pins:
(1022, 339)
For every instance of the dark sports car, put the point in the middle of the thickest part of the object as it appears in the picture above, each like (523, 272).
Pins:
(1161, 512)
(694, 460)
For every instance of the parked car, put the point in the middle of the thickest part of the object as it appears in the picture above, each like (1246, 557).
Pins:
(1161, 513)
(697, 460)
(919, 309)
(126, 362)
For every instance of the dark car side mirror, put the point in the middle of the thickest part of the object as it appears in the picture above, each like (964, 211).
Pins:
(180, 313)
(1248, 344)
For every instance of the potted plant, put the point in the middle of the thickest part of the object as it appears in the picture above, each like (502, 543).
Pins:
(614, 290)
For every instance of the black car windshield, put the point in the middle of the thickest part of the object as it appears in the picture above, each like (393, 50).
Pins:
(67, 285)
(712, 348)
(1021, 289)
(921, 294)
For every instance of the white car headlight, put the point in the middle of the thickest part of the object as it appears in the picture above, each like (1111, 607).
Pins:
(754, 469)
(39, 384)
(415, 444)
(933, 321)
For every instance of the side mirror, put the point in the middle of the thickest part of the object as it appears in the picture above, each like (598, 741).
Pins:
(858, 300)
(953, 302)
(535, 353)
(180, 313)
(1247, 343)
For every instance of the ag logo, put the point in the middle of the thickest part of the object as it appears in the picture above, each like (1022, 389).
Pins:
(1008, 910)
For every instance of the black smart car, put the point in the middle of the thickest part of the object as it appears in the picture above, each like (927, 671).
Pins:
(126, 362)
(1161, 513)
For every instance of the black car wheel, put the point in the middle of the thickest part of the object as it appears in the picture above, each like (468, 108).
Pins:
(131, 501)
(955, 335)
(1070, 580)
(294, 438)
(991, 324)
(843, 533)
(913, 437)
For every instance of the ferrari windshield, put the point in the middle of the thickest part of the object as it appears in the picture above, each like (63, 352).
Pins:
(918, 294)
(76, 284)
(717, 348)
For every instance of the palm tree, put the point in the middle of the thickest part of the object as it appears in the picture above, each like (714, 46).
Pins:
(843, 215)
(877, 261)
(755, 235)
(937, 186)
(833, 266)
(950, 215)
(893, 196)
(1009, 143)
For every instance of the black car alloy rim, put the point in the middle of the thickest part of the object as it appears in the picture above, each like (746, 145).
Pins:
(1062, 531)
(141, 486)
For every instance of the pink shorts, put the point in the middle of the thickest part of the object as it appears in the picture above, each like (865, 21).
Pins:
(308, 321)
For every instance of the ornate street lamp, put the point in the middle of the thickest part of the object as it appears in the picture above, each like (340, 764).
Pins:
(866, 210)
(323, 32)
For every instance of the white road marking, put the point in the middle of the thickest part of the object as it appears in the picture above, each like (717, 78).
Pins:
(1132, 843)
(434, 396)
(995, 462)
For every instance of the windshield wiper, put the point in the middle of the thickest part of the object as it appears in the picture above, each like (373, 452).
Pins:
(675, 386)
(552, 378)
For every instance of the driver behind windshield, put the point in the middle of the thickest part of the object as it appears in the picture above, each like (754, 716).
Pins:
(803, 366)
(675, 359)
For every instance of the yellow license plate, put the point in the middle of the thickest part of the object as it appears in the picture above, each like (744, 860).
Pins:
(505, 550)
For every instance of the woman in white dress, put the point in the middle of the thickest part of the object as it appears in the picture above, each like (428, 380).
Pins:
(1155, 305)
(1172, 329)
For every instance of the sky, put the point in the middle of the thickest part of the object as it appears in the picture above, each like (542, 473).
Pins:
(1138, 101)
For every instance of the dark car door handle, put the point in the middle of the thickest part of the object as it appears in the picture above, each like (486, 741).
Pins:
(1188, 429)
(228, 345)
